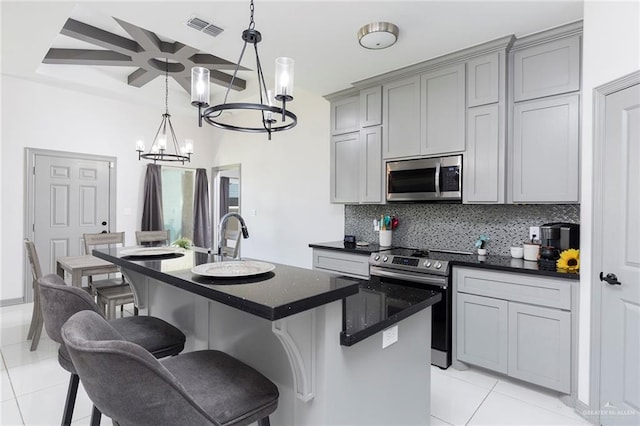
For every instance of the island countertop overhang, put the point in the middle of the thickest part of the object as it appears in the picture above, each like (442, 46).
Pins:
(275, 295)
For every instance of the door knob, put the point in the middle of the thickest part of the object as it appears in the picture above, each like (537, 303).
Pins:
(104, 223)
(611, 279)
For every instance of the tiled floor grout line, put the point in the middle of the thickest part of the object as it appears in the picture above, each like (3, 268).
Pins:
(13, 391)
(482, 402)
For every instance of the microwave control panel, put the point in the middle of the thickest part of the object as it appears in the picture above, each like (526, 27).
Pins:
(450, 178)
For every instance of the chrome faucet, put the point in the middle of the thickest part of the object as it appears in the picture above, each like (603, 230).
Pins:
(223, 225)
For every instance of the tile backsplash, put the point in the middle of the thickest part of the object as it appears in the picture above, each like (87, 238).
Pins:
(457, 226)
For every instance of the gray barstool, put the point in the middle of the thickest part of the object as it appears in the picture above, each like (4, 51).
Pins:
(133, 388)
(59, 302)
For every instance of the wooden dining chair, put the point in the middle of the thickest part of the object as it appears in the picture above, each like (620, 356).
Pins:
(35, 329)
(152, 237)
(110, 292)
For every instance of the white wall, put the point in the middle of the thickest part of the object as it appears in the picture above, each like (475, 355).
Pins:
(42, 116)
(285, 182)
(611, 49)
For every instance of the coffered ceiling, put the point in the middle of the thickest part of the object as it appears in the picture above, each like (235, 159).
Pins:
(319, 35)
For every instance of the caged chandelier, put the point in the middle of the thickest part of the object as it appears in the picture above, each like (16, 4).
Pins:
(165, 144)
(271, 118)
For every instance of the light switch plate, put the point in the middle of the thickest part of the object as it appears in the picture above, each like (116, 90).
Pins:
(389, 336)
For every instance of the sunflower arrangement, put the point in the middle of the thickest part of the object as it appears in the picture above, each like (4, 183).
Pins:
(569, 260)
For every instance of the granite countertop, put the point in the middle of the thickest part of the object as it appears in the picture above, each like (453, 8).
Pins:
(285, 291)
(350, 248)
(378, 306)
(495, 262)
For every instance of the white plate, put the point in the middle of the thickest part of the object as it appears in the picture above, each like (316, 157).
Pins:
(233, 268)
(149, 251)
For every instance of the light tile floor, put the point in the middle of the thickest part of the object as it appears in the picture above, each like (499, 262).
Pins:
(33, 388)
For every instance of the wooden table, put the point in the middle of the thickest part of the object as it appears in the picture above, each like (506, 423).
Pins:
(83, 266)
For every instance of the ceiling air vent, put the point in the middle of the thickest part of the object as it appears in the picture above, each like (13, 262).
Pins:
(204, 26)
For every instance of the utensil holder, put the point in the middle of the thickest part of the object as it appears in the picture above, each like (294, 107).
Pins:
(385, 238)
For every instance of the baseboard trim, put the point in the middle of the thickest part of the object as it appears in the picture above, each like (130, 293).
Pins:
(585, 411)
(9, 302)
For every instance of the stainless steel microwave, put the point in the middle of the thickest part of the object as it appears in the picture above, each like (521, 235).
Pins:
(425, 179)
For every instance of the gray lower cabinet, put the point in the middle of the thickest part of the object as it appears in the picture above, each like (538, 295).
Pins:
(482, 331)
(344, 263)
(545, 157)
(539, 346)
(515, 324)
(484, 162)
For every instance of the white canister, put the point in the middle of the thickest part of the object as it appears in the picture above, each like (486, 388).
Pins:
(531, 251)
(385, 238)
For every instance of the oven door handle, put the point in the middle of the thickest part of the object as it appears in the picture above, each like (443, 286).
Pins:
(411, 277)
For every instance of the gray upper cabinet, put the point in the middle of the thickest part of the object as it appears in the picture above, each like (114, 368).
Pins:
(484, 162)
(544, 121)
(483, 80)
(546, 150)
(443, 106)
(345, 115)
(371, 170)
(401, 117)
(345, 168)
(371, 106)
(547, 69)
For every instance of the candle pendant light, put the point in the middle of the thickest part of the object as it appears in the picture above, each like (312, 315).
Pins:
(165, 144)
(265, 110)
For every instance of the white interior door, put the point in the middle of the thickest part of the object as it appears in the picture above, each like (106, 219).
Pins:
(69, 196)
(620, 260)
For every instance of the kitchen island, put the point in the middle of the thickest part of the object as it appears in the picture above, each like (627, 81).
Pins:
(317, 335)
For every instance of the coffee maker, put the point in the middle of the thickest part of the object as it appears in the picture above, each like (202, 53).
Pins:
(560, 235)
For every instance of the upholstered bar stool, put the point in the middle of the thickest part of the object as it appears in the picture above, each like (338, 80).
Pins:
(133, 388)
(60, 302)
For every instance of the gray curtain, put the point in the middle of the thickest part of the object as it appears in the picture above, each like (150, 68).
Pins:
(224, 195)
(201, 215)
(152, 208)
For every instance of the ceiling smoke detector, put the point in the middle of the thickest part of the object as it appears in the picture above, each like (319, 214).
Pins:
(378, 35)
(204, 26)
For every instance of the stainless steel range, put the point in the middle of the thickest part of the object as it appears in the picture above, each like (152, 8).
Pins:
(423, 268)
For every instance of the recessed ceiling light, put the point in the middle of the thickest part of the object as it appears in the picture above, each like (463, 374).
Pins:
(378, 35)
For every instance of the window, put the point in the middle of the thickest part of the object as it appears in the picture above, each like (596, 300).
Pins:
(177, 201)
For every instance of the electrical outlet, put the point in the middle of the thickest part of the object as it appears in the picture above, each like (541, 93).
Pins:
(376, 225)
(534, 233)
(389, 336)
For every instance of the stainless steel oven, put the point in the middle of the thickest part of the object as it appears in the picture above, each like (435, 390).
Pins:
(425, 179)
(422, 268)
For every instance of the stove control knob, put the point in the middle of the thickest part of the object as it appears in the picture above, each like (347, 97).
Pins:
(427, 264)
(438, 265)
(377, 257)
(384, 259)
